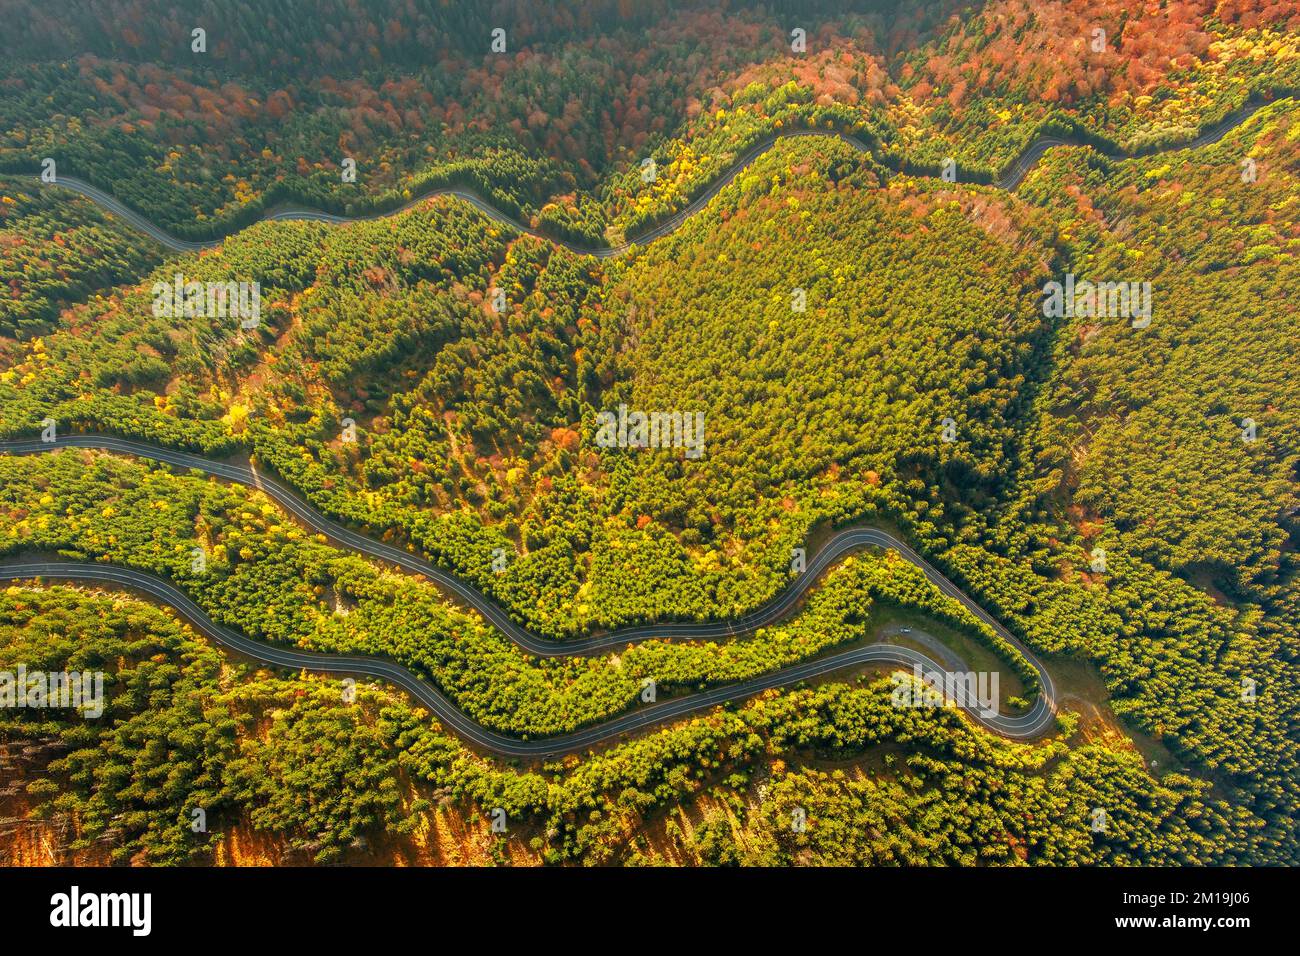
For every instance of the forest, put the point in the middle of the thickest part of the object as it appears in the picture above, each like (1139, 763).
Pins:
(388, 774)
(556, 129)
(865, 338)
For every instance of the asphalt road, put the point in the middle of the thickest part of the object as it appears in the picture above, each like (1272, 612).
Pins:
(1010, 179)
(1036, 721)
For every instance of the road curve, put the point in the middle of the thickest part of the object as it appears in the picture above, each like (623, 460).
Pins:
(1036, 721)
(1010, 179)
(1031, 724)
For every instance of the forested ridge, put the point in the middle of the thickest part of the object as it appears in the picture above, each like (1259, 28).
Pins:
(246, 747)
(57, 253)
(454, 403)
(271, 580)
(558, 127)
(865, 344)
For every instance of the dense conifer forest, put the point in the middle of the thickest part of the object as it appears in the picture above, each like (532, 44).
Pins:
(860, 319)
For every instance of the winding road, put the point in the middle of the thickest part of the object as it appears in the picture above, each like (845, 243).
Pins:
(1034, 722)
(1010, 179)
